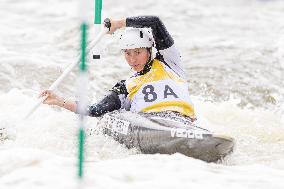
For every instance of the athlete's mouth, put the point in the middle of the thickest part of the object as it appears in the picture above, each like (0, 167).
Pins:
(136, 65)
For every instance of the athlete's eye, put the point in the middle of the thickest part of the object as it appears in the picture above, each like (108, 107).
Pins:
(127, 53)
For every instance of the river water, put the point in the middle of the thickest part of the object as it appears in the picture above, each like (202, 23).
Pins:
(233, 53)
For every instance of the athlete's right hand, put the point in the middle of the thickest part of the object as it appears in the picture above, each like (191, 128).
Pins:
(52, 98)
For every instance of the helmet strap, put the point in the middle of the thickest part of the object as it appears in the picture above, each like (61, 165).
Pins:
(150, 53)
(148, 64)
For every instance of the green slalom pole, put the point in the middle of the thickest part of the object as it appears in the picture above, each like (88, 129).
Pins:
(98, 12)
(83, 78)
(97, 26)
(82, 88)
(83, 73)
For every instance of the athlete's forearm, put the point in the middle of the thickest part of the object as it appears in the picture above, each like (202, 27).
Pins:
(117, 24)
(109, 103)
(68, 105)
(161, 36)
(121, 23)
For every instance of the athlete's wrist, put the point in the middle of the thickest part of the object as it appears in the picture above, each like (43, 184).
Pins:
(122, 23)
(61, 102)
(119, 23)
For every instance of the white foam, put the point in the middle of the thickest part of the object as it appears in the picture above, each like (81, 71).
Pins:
(231, 38)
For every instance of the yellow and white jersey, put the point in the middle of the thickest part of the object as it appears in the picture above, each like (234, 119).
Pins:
(159, 90)
(161, 86)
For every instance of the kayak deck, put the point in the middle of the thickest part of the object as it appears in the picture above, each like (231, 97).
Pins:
(151, 135)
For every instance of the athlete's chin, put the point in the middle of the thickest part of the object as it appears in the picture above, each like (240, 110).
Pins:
(137, 69)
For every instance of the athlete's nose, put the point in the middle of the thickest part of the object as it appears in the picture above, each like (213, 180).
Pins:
(132, 60)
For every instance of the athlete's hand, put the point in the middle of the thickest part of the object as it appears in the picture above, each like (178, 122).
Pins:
(116, 24)
(52, 98)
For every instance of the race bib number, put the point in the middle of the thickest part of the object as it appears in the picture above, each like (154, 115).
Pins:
(150, 95)
(159, 92)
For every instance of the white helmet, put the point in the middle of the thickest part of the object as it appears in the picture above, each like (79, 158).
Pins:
(136, 38)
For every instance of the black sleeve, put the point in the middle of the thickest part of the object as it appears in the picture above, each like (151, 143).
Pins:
(109, 103)
(161, 36)
(120, 88)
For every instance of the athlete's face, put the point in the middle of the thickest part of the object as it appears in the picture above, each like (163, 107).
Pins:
(137, 58)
